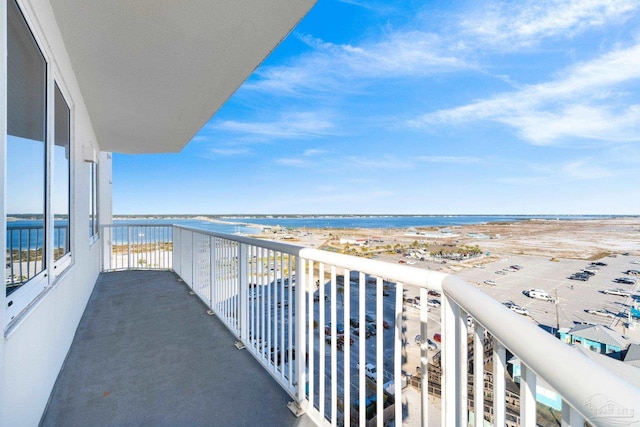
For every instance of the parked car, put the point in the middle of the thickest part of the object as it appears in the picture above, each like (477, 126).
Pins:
(340, 341)
(490, 282)
(369, 370)
(433, 293)
(516, 308)
(500, 272)
(601, 312)
(579, 277)
(599, 264)
(433, 303)
(385, 324)
(625, 280)
(632, 272)
(371, 329)
(437, 338)
(354, 322)
(636, 261)
(617, 291)
(418, 339)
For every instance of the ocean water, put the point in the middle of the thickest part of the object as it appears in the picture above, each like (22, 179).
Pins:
(18, 234)
(392, 221)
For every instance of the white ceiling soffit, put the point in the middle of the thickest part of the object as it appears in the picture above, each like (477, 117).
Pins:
(153, 72)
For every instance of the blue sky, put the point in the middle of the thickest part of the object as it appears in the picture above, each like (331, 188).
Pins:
(414, 107)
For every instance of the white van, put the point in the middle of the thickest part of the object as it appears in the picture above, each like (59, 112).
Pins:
(538, 294)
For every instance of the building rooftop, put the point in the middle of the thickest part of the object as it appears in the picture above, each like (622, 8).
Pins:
(599, 333)
(146, 353)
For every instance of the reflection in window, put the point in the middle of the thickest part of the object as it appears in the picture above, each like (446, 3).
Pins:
(60, 189)
(93, 199)
(26, 130)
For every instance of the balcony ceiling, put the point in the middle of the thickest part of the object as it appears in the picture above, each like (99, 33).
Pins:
(152, 72)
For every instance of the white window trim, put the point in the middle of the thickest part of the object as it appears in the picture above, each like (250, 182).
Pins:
(28, 296)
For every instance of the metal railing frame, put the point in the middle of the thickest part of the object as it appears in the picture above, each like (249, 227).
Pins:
(541, 354)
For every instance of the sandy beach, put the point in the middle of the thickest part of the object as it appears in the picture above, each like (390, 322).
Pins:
(571, 239)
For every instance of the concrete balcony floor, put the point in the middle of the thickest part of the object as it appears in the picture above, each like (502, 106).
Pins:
(146, 353)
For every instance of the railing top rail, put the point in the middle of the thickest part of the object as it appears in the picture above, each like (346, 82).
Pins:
(576, 377)
(391, 272)
(137, 224)
(268, 244)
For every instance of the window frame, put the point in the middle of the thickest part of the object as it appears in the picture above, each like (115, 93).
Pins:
(94, 226)
(61, 264)
(18, 303)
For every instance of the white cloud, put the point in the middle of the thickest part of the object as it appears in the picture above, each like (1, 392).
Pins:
(290, 125)
(311, 152)
(585, 169)
(511, 25)
(292, 161)
(448, 159)
(588, 102)
(377, 163)
(337, 67)
(230, 151)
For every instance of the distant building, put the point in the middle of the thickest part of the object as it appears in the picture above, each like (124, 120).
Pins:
(597, 338)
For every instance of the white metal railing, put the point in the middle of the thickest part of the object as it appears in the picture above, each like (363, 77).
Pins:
(288, 305)
(137, 247)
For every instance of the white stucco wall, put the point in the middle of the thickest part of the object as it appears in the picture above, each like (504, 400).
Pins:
(35, 344)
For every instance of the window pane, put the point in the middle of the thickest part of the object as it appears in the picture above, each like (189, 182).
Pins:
(93, 199)
(26, 154)
(61, 172)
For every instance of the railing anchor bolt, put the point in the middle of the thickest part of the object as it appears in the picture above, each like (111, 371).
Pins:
(191, 293)
(210, 312)
(239, 345)
(295, 408)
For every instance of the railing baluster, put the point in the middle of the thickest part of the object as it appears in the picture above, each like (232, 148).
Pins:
(463, 377)
(243, 293)
(346, 347)
(291, 317)
(478, 375)
(397, 354)
(527, 396)
(499, 385)
(424, 356)
(362, 361)
(321, 344)
(570, 417)
(334, 350)
(311, 333)
(453, 371)
(379, 353)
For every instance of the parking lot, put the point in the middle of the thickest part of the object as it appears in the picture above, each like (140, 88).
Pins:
(574, 297)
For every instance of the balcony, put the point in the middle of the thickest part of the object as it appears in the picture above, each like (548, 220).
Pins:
(156, 346)
(146, 353)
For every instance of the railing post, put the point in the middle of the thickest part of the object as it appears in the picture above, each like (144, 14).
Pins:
(398, 351)
(527, 396)
(175, 241)
(297, 406)
(499, 403)
(424, 355)
(243, 293)
(478, 375)
(129, 255)
(570, 417)
(454, 370)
